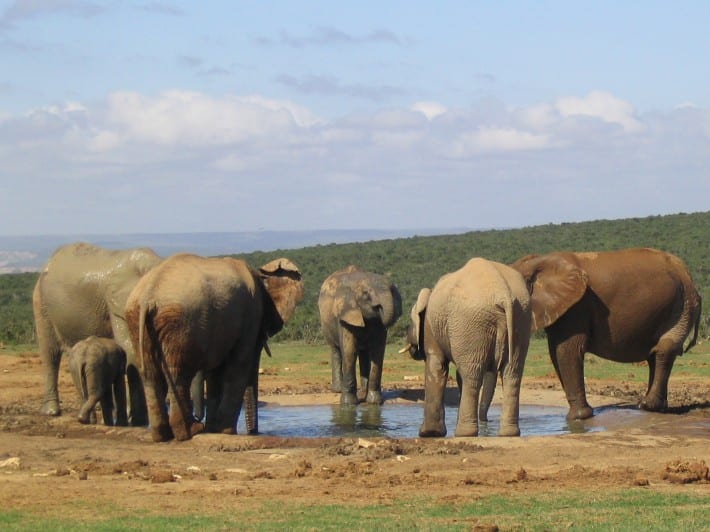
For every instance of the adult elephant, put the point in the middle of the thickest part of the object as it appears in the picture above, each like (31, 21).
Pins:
(627, 306)
(82, 292)
(356, 308)
(477, 317)
(215, 315)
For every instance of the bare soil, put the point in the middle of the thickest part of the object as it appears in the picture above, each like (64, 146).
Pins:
(47, 464)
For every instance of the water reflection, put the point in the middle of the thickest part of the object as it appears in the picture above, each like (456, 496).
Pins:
(399, 421)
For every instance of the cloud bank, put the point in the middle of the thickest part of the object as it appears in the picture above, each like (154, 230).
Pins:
(188, 161)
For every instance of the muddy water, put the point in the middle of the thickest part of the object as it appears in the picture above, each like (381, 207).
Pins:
(398, 421)
(403, 420)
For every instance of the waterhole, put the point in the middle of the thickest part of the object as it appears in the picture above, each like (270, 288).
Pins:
(402, 420)
(399, 421)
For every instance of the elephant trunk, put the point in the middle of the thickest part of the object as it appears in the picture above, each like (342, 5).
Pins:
(391, 308)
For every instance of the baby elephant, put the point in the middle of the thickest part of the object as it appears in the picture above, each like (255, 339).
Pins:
(98, 368)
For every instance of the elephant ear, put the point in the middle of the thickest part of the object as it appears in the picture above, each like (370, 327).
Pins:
(555, 284)
(418, 315)
(284, 284)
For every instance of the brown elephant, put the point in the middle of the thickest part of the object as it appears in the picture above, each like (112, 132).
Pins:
(627, 306)
(192, 314)
(81, 292)
(98, 369)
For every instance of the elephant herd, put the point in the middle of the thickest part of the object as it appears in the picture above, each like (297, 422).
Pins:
(187, 332)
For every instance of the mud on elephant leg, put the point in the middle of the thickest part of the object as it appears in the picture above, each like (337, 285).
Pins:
(180, 415)
(435, 377)
(336, 363)
(660, 364)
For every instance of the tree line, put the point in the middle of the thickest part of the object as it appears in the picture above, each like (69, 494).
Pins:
(417, 262)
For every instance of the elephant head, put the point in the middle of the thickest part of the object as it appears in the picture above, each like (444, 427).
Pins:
(284, 284)
(555, 283)
(415, 330)
(373, 297)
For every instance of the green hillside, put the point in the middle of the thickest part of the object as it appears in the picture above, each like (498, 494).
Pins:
(417, 262)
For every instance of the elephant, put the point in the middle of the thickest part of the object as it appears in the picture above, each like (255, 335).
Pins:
(356, 308)
(477, 317)
(82, 292)
(98, 369)
(628, 305)
(191, 314)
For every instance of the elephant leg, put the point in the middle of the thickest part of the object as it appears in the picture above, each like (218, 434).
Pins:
(234, 385)
(510, 412)
(568, 358)
(51, 355)
(138, 408)
(251, 409)
(119, 395)
(436, 373)
(487, 391)
(378, 341)
(336, 364)
(156, 390)
(180, 414)
(107, 407)
(87, 413)
(213, 398)
(348, 348)
(467, 421)
(197, 395)
(660, 366)
(364, 364)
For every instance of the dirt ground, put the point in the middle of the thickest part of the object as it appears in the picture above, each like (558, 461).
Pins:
(47, 464)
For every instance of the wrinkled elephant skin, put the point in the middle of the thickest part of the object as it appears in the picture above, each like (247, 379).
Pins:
(477, 317)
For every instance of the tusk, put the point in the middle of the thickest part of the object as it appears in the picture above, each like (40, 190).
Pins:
(405, 349)
(266, 348)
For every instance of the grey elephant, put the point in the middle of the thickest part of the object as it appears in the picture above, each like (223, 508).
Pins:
(629, 305)
(356, 308)
(477, 317)
(98, 369)
(192, 314)
(81, 292)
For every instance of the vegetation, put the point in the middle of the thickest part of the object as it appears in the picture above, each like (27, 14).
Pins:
(417, 262)
(630, 509)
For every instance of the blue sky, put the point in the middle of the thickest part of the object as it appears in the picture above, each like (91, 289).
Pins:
(140, 116)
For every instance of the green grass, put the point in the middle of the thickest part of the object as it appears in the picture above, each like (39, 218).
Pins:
(631, 509)
(308, 363)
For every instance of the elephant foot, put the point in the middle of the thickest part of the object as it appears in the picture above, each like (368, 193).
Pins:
(197, 427)
(432, 432)
(84, 420)
(653, 404)
(374, 398)
(509, 431)
(583, 412)
(467, 431)
(50, 408)
(348, 399)
(138, 421)
(162, 433)
(336, 387)
(122, 422)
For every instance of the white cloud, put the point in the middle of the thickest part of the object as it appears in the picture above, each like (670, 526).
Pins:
(496, 139)
(181, 117)
(429, 109)
(602, 105)
(155, 156)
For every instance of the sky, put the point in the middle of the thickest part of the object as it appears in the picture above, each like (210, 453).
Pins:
(156, 116)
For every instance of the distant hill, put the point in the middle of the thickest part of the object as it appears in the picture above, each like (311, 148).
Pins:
(412, 262)
(29, 253)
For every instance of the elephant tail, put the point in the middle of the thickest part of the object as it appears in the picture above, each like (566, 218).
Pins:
(696, 326)
(141, 330)
(82, 378)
